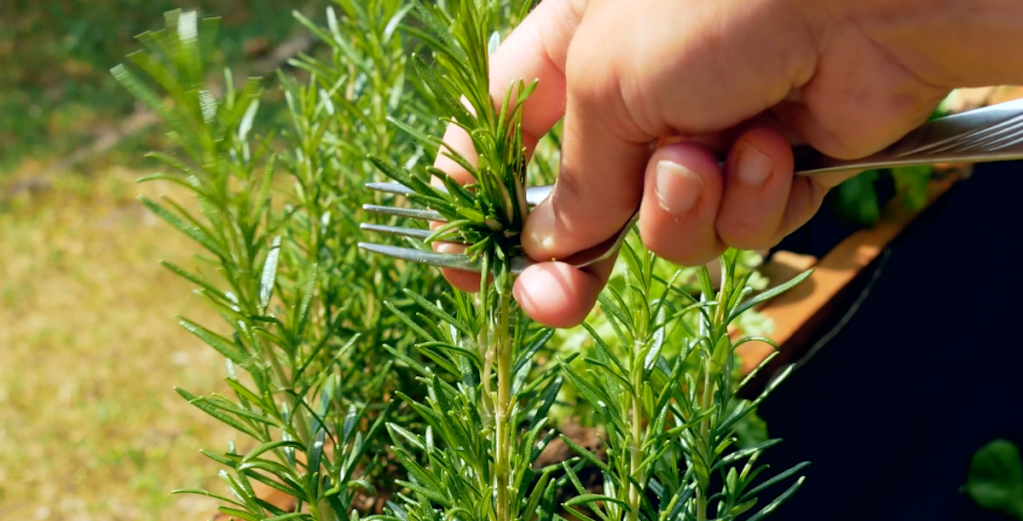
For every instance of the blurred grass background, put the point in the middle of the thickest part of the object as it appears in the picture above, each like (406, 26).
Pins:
(56, 91)
(90, 427)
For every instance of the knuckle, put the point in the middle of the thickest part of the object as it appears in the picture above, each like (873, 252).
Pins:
(587, 82)
(579, 196)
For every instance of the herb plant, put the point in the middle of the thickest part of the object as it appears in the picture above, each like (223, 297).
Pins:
(995, 478)
(671, 418)
(483, 469)
(306, 326)
(636, 398)
(328, 346)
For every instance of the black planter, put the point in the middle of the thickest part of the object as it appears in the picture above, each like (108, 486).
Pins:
(826, 229)
(892, 407)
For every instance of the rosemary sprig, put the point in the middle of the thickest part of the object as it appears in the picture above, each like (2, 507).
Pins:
(474, 460)
(489, 212)
(482, 470)
(671, 412)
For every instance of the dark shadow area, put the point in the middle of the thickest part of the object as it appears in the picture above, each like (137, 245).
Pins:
(925, 373)
(829, 227)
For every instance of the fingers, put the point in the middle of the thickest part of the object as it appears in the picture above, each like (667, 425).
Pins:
(854, 130)
(682, 194)
(535, 50)
(599, 185)
(856, 102)
(664, 78)
(692, 209)
(758, 181)
(596, 192)
(557, 295)
(806, 197)
(466, 281)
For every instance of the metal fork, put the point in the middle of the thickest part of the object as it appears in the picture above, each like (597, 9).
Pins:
(993, 133)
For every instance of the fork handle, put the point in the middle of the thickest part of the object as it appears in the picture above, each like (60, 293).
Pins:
(811, 162)
(987, 134)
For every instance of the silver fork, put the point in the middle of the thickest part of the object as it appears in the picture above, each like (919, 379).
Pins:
(993, 133)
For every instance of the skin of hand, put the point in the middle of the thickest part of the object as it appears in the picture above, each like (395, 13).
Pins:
(654, 92)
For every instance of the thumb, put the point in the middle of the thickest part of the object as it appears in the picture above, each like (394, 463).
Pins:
(595, 194)
(600, 183)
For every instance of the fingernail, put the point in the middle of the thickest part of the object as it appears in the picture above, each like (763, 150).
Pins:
(753, 167)
(677, 187)
(541, 227)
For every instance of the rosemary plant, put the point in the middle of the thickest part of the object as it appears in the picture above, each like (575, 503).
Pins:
(489, 213)
(318, 335)
(335, 116)
(671, 418)
(484, 469)
(475, 458)
(306, 328)
(659, 411)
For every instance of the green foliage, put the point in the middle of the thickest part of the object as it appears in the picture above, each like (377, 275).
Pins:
(672, 418)
(337, 115)
(856, 199)
(667, 394)
(995, 479)
(751, 430)
(488, 213)
(479, 389)
(321, 334)
(480, 467)
(911, 185)
(307, 325)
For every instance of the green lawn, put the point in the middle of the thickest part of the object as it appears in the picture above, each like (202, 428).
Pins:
(90, 426)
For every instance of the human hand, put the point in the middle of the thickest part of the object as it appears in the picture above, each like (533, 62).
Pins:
(653, 91)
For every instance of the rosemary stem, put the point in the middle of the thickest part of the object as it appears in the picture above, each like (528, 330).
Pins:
(708, 396)
(716, 329)
(635, 457)
(502, 446)
(704, 449)
(314, 511)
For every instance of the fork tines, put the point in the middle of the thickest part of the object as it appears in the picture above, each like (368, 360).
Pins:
(401, 231)
(534, 194)
(441, 260)
(412, 213)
